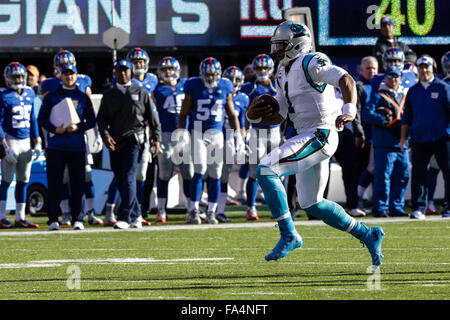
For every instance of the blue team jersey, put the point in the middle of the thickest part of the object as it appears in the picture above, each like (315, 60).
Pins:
(241, 102)
(254, 89)
(149, 83)
(17, 115)
(168, 104)
(208, 105)
(51, 84)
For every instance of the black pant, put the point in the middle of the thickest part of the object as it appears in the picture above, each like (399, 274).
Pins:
(421, 154)
(347, 158)
(148, 187)
(56, 162)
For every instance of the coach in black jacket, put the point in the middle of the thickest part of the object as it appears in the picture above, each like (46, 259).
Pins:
(124, 112)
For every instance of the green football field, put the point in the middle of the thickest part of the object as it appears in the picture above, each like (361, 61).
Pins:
(176, 261)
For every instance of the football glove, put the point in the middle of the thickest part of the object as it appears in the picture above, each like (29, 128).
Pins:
(10, 156)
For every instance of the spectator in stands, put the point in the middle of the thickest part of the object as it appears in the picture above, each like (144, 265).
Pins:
(33, 79)
(124, 111)
(426, 120)
(387, 40)
(391, 173)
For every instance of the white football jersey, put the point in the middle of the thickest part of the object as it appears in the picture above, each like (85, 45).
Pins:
(306, 93)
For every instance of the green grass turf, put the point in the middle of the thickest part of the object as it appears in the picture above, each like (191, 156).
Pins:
(223, 263)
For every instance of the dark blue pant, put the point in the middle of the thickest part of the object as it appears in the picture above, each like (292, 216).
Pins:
(56, 162)
(421, 154)
(391, 176)
(124, 163)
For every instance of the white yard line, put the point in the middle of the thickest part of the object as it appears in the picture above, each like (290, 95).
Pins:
(377, 221)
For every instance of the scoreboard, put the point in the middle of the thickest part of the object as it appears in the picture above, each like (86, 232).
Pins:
(219, 23)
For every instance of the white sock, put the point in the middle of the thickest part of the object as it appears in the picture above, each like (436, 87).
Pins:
(242, 185)
(2, 210)
(20, 211)
(222, 202)
(195, 205)
(212, 206)
(162, 204)
(89, 204)
(64, 205)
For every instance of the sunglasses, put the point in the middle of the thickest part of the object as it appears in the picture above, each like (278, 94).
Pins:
(392, 75)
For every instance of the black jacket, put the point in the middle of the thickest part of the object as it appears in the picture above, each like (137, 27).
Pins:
(123, 115)
(382, 45)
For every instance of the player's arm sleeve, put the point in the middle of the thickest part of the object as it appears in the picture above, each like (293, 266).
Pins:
(322, 71)
(44, 114)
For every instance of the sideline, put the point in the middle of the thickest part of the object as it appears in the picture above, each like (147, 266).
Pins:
(243, 225)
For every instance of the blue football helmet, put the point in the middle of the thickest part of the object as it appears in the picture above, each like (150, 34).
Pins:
(263, 61)
(445, 63)
(235, 75)
(15, 76)
(169, 62)
(61, 58)
(393, 57)
(139, 54)
(210, 71)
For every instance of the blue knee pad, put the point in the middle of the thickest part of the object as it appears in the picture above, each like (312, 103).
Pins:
(274, 191)
(196, 187)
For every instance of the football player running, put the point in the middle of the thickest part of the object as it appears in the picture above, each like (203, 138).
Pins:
(206, 99)
(168, 97)
(231, 155)
(140, 61)
(18, 124)
(261, 138)
(306, 95)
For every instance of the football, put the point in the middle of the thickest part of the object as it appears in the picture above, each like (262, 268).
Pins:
(267, 100)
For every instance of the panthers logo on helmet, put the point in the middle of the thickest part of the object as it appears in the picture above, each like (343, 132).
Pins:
(298, 30)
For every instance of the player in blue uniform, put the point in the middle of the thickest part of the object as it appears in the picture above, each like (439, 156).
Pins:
(140, 60)
(231, 155)
(17, 124)
(168, 97)
(262, 138)
(206, 99)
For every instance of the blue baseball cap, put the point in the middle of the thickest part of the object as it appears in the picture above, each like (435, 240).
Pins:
(393, 70)
(386, 20)
(69, 66)
(123, 63)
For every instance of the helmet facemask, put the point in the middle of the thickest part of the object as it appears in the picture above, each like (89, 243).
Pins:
(211, 79)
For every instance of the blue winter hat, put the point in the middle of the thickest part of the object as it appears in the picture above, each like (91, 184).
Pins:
(386, 20)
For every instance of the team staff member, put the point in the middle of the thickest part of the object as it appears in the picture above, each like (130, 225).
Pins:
(426, 121)
(124, 111)
(66, 147)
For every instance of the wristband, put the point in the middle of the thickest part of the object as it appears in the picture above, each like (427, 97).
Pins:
(350, 109)
(253, 121)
